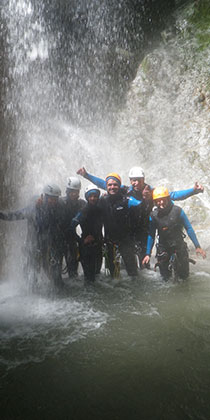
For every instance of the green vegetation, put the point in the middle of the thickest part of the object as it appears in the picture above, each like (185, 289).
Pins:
(199, 23)
(201, 14)
(145, 65)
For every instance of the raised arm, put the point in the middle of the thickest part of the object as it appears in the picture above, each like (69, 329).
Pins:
(183, 194)
(15, 215)
(101, 183)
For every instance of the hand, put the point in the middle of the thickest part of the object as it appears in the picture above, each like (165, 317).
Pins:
(82, 171)
(201, 252)
(88, 239)
(198, 188)
(145, 260)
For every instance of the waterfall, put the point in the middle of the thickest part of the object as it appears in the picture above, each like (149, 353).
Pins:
(109, 85)
(68, 67)
(75, 95)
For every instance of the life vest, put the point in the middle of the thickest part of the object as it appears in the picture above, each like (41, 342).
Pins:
(143, 213)
(169, 226)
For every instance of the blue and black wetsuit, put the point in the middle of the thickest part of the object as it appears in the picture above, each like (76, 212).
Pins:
(141, 220)
(140, 215)
(169, 224)
(116, 211)
(175, 195)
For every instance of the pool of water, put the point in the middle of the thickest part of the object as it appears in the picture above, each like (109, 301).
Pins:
(115, 350)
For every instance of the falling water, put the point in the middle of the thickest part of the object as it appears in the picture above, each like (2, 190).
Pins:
(83, 87)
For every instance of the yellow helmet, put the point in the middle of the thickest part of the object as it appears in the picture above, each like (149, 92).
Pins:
(160, 192)
(114, 175)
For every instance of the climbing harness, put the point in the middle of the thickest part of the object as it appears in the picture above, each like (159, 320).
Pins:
(116, 260)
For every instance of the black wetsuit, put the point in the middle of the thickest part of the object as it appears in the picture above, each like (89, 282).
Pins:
(71, 253)
(169, 222)
(140, 222)
(45, 238)
(90, 221)
(118, 231)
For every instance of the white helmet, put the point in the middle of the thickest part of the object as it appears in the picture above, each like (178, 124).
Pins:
(91, 189)
(73, 183)
(136, 172)
(52, 189)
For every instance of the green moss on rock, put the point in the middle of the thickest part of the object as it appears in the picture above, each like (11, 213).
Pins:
(200, 20)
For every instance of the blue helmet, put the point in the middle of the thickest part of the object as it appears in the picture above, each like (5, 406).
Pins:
(90, 189)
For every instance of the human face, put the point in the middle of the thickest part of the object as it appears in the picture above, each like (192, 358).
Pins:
(162, 202)
(137, 183)
(73, 195)
(92, 199)
(51, 200)
(112, 186)
(147, 193)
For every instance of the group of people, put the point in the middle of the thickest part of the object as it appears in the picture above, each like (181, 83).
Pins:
(120, 224)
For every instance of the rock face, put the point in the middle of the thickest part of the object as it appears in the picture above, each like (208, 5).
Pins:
(164, 125)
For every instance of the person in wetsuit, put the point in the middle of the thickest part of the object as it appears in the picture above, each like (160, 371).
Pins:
(90, 244)
(141, 191)
(116, 209)
(73, 204)
(45, 238)
(169, 220)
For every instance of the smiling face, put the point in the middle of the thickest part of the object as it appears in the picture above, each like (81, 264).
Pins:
(112, 186)
(73, 194)
(162, 202)
(137, 183)
(93, 198)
